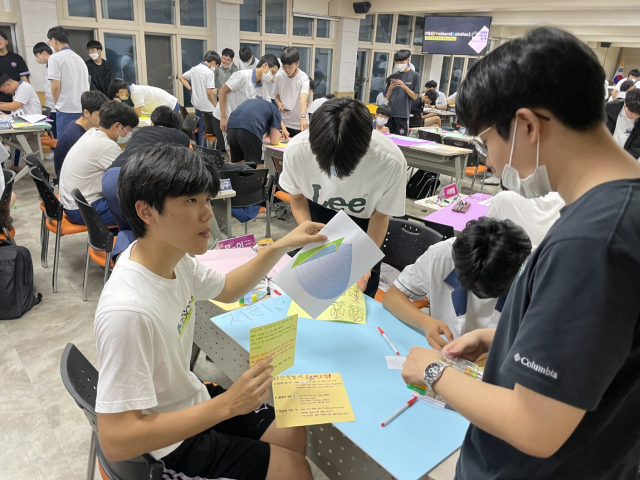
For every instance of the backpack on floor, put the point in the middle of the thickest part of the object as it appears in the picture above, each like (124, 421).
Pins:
(16, 281)
(422, 184)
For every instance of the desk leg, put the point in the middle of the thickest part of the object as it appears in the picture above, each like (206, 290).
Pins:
(26, 148)
(228, 216)
(460, 166)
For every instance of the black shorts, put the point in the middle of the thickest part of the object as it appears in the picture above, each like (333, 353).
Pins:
(231, 449)
(293, 132)
(221, 138)
(244, 145)
(399, 126)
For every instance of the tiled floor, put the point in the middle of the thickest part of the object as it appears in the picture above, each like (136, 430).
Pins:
(43, 434)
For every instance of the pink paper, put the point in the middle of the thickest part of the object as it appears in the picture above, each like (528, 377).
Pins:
(225, 261)
(446, 216)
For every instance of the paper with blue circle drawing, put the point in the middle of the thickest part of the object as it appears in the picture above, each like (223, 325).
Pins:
(321, 272)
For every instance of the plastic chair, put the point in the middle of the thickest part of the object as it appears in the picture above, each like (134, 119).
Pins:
(209, 133)
(33, 161)
(431, 136)
(81, 381)
(55, 221)
(5, 199)
(252, 187)
(7, 232)
(46, 140)
(189, 126)
(100, 239)
(217, 157)
(445, 230)
(474, 162)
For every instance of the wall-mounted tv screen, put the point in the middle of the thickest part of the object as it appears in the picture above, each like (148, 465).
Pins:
(456, 35)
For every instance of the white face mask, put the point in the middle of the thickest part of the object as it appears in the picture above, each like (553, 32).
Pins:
(94, 56)
(401, 67)
(382, 121)
(126, 138)
(535, 185)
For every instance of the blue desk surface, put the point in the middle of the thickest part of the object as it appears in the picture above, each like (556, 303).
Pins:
(416, 441)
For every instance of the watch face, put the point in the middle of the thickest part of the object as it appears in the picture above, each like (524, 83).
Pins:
(432, 370)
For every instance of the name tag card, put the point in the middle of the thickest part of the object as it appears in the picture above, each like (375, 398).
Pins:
(449, 191)
(245, 241)
(225, 184)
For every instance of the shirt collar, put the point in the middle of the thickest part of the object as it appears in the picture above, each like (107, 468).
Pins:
(253, 79)
(65, 48)
(459, 295)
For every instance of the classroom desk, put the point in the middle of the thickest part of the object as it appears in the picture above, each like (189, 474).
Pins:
(17, 139)
(446, 216)
(443, 133)
(221, 205)
(408, 449)
(427, 204)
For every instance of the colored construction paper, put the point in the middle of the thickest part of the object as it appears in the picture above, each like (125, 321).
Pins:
(349, 307)
(276, 340)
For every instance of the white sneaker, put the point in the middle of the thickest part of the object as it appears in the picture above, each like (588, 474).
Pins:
(492, 180)
(49, 156)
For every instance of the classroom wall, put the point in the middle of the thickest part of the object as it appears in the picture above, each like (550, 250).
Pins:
(631, 58)
(347, 31)
(608, 58)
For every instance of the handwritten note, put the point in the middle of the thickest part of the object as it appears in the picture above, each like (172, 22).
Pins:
(311, 399)
(276, 340)
(395, 362)
(349, 307)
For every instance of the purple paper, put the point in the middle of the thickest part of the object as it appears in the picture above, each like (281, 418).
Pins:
(406, 141)
(238, 242)
(457, 220)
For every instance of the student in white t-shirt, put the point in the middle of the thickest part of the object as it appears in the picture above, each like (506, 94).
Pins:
(441, 101)
(247, 59)
(466, 279)
(42, 52)
(318, 102)
(634, 75)
(91, 155)
(145, 98)
(242, 85)
(625, 86)
(148, 401)
(69, 78)
(291, 91)
(201, 81)
(622, 120)
(340, 163)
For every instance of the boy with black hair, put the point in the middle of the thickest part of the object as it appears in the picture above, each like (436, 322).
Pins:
(145, 98)
(91, 101)
(92, 154)
(404, 88)
(248, 61)
(441, 100)
(622, 120)
(147, 399)
(625, 86)
(200, 81)
(342, 164)
(11, 64)
(466, 279)
(100, 70)
(247, 125)
(560, 394)
(291, 92)
(634, 75)
(42, 52)
(69, 78)
(226, 67)
(383, 112)
(429, 99)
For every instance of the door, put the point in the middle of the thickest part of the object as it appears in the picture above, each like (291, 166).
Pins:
(159, 57)
(379, 72)
(362, 67)
(456, 74)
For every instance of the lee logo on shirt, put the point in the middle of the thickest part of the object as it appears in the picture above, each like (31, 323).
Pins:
(355, 205)
(185, 317)
(534, 366)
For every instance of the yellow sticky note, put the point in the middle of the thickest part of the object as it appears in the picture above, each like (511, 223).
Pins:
(276, 340)
(349, 307)
(311, 399)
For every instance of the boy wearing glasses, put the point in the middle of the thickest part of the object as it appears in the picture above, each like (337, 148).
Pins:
(560, 395)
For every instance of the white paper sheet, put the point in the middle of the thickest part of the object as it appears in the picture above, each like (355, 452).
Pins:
(486, 203)
(33, 118)
(395, 362)
(316, 279)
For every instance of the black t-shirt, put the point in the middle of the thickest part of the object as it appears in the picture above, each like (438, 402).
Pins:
(101, 75)
(150, 136)
(400, 102)
(570, 331)
(13, 65)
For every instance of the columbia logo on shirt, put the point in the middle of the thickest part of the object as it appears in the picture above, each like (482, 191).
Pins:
(185, 317)
(549, 372)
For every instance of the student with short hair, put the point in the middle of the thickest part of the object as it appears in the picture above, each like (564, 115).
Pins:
(625, 86)
(148, 401)
(402, 91)
(247, 60)
(92, 154)
(559, 398)
(320, 88)
(634, 75)
(342, 164)
(383, 112)
(291, 92)
(247, 126)
(69, 78)
(200, 81)
(42, 52)
(100, 70)
(145, 98)
(226, 67)
(11, 64)
(92, 101)
(429, 99)
(441, 100)
(622, 120)
(466, 278)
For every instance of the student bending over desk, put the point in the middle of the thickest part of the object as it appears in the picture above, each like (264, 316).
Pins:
(466, 279)
(147, 399)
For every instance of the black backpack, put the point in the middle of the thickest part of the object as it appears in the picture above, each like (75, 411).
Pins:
(16, 281)
(422, 184)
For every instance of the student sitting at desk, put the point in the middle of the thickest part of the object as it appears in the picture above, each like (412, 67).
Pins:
(441, 102)
(147, 399)
(145, 98)
(430, 119)
(342, 164)
(383, 112)
(466, 279)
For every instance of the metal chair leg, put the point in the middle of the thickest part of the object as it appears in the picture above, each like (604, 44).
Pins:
(56, 257)
(245, 227)
(106, 267)
(45, 248)
(473, 181)
(91, 466)
(85, 280)
(268, 209)
(484, 177)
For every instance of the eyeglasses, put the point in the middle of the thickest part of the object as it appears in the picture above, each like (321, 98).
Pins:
(480, 145)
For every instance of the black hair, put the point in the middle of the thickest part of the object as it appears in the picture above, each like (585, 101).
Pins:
(164, 116)
(635, 72)
(4, 78)
(431, 95)
(94, 44)
(530, 72)
(401, 55)
(156, 172)
(4, 35)
(117, 112)
(317, 61)
(631, 100)
(245, 54)
(115, 86)
(212, 56)
(431, 84)
(42, 47)
(289, 56)
(488, 254)
(92, 100)
(626, 85)
(383, 58)
(312, 84)
(339, 135)
(270, 59)
(319, 75)
(383, 110)
(59, 33)
(227, 52)
(329, 96)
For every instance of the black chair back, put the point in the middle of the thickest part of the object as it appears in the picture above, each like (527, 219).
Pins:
(46, 111)
(100, 237)
(445, 230)
(52, 206)
(33, 160)
(431, 136)
(251, 186)
(208, 123)
(415, 118)
(472, 159)
(406, 241)
(189, 126)
(5, 199)
(217, 157)
(80, 378)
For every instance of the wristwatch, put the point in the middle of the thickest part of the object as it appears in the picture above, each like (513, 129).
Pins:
(303, 115)
(432, 372)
